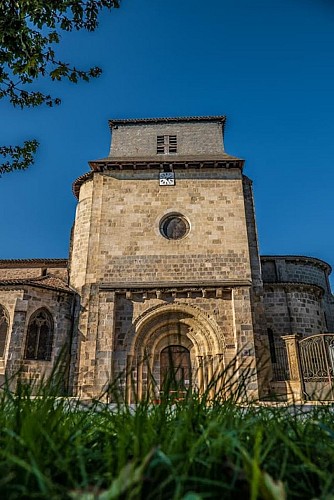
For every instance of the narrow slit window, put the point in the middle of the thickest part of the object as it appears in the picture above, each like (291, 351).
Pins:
(166, 144)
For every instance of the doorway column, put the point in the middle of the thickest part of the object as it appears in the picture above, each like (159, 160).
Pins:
(200, 375)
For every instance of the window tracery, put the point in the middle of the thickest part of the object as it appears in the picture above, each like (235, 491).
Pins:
(39, 336)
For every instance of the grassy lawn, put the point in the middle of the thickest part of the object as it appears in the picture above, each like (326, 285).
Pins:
(189, 450)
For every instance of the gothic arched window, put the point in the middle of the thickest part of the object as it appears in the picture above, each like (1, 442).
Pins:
(3, 330)
(39, 336)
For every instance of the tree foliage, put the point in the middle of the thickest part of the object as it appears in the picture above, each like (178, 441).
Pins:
(17, 157)
(29, 33)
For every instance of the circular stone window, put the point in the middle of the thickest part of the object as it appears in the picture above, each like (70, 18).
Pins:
(174, 227)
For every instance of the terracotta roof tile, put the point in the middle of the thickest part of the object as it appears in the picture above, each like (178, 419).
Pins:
(49, 281)
(4, 263)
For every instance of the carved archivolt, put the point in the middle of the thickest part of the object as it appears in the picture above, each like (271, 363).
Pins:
(154, 327)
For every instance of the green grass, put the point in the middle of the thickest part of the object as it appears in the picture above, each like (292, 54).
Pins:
(188, 450)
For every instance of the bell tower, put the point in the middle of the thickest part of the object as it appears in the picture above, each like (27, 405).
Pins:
(165, 260)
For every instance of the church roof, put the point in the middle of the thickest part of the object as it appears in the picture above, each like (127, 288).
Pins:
(5, 263)
(79, 181)
(175, 119)
(299, 258)
(221, 160)
(177, 160)
(49, 281)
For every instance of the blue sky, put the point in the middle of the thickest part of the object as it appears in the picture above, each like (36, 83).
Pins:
(267, 65)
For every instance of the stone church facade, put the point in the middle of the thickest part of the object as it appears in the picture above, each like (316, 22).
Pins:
(164, 276)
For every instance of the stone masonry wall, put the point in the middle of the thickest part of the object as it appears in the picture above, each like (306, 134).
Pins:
(125, 243)
(27, 302)
(328, 305)
(81, 235)
(103, 355)
(300, 270)
(258, 312)
(294, 270)
(306, 273)
(269, 272)
(26, 270)
(192, 139)
(229, 312)
(293, 310)
(118, 244)
(9, 299)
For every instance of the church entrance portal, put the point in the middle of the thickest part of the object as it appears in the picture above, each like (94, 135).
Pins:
(174, 347)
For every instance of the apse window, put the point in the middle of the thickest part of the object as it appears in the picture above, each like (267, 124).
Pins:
(166, 144)
(39, 336)
(174, 226)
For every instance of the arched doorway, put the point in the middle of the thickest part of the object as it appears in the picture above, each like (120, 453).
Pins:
(177, 332)
(175, 368)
